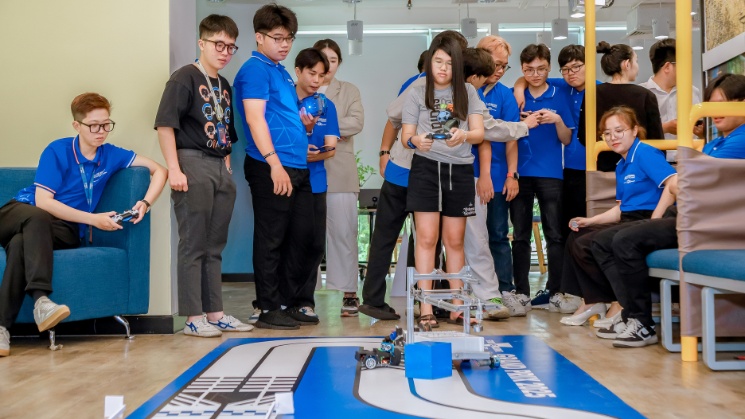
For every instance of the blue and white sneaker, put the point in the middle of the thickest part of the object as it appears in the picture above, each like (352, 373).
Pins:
(230, 324)
(201, 328)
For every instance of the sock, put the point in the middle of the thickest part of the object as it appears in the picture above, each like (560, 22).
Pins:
(36, 294)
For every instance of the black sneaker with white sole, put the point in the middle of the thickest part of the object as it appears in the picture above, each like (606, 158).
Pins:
(276, 319)
(635, 335)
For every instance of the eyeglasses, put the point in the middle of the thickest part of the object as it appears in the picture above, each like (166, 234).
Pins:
(617, 134)
(529, 71)
(573, 69)
(95, 128)
(280, 39)
(220, 46)
(503, 67)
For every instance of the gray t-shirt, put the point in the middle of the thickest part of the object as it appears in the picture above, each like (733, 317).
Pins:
(415, 112)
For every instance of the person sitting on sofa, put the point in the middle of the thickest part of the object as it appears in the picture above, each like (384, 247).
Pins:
(56, 212)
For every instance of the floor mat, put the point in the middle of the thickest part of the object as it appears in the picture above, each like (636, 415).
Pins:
(240, 377)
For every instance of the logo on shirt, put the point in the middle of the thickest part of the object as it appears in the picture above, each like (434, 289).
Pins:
(631, 178)
(97, 175)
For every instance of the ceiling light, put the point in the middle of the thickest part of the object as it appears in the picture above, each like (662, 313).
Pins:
(637, 44)
(660, 28)
(354, 31)
(560, 28)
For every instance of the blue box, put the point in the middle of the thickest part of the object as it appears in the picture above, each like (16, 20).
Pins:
(428, 360)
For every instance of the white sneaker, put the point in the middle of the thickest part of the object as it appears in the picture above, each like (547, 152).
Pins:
(509, 301)
(608, 321)
(230, 324)
(47, 314)
(612, 331)
(201, 328)
(4, 342)
(564, 303)
(499, 312)
(524, 300)
(635, 335)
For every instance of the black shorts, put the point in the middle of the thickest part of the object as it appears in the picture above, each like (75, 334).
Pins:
(452, 193)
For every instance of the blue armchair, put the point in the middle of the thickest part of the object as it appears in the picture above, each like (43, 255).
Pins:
(109, 277)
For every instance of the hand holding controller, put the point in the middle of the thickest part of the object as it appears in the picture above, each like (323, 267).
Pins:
(125, 216)
(439, 135)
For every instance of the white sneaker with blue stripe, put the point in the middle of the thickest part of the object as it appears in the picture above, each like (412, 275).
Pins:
(230, 324)
(201, 328)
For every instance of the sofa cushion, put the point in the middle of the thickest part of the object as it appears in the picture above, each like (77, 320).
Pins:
(92, 281)
(728, 264)
(664, 259)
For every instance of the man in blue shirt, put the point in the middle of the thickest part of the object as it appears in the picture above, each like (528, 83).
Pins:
(621, 251)
(56, 212)
(310, 67)
(276, 167)
(540, 169)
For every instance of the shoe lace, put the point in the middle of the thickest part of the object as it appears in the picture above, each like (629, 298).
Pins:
(46, 305)
(632, 327)
(496, 300)
(541, 293)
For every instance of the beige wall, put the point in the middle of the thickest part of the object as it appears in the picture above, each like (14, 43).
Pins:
(53, 50)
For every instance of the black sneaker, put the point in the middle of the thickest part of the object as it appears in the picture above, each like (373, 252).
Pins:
(636, 335)
(300, 316)
(384, 312)
(350, 306)
(276, 319)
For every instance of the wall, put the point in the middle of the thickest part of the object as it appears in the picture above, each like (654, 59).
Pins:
(53, 51)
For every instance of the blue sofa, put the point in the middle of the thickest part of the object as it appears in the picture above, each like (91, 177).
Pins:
(109, 277)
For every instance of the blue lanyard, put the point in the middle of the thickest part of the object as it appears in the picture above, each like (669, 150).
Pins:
(87, 183)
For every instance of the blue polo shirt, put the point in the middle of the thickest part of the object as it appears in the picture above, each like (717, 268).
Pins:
(260, 78)
(729, 147)
(541, 154)
(502, 105)
(328, 124)
(639, 177)
(575, 156)
(59, 173)
(406, 84)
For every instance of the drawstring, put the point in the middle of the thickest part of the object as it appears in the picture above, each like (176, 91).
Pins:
(450, 175)
(439, 188)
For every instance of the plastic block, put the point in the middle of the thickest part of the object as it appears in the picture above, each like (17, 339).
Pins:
(428, 360)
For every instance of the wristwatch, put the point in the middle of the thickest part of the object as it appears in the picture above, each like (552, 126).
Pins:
(383, 152)
(513, 175)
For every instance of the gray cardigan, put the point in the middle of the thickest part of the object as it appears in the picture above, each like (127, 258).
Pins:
(342, 168)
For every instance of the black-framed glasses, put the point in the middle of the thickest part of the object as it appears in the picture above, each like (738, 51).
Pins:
(541, 71)
(95, 128)
(608, 136)
(280, 39)
(220, 46)
(503, 67)
(573, 69)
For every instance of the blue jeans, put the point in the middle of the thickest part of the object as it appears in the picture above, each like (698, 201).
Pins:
(548, 191)
(498, 227)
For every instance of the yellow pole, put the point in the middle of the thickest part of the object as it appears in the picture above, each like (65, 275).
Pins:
(590, 87)
(684, 83)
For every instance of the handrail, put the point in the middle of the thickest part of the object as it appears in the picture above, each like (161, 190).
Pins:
(698, 144)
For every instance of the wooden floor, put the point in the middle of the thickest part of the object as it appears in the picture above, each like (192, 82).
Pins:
(38, 383)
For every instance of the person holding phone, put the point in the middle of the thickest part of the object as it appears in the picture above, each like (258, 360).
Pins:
(311, 66)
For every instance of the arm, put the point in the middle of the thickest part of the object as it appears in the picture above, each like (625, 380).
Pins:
(159, 175)
(254, 110)
(654, 122)
(511, 186)
(666, 199)
(328, 141)
(613, 215)
(352, 122)
(519, 92)
(167, 140)
(420, 142)
(564, 133)
(484, 186)
(45, 200)
(389, 137)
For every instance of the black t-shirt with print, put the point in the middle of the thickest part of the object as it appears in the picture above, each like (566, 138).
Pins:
(188, 108)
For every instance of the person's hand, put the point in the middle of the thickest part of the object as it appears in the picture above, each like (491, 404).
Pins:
(485, 189)
(177, 180)
(520, 98)
(282, 184)
(103, 221)
(670, 127)
(383, 162)
(578, 222)
(141, 209)
(308, 120)
(547, 117)
(698, 130)
(422, 143)
(313, 153)
(530, 119)
(510, 189)
(343, 138)
(457, 137)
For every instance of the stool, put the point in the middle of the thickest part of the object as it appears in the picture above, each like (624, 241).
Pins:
(538, 243)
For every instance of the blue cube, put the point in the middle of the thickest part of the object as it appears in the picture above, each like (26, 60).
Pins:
(428, 360)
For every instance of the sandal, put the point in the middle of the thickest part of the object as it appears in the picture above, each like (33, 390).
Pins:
(431, 319)
(459, 320)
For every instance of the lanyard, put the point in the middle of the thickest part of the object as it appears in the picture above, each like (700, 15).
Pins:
(218, 108)
(87, 184)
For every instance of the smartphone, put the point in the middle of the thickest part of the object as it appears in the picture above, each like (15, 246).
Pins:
(699, 122)
(326, 148)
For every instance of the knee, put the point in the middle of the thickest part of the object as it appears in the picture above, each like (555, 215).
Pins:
(426, 241)
(39, 218)
(453, 243)
(15, 244)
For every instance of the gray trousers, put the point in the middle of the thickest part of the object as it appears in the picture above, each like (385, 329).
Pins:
(203, 215)
(478, 255)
